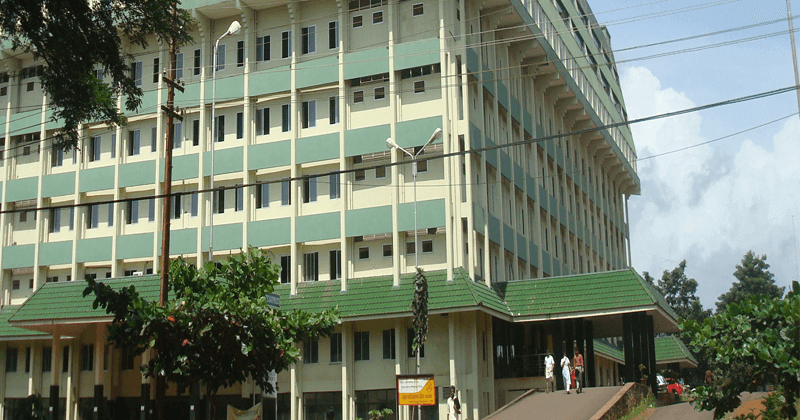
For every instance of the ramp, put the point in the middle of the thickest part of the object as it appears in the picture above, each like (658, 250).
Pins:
(556, 406)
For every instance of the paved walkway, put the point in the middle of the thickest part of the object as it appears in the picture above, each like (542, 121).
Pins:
(685, 411)
(559, 405)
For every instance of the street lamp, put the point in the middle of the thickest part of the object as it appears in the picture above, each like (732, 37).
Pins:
(437, 134)
(234, 28)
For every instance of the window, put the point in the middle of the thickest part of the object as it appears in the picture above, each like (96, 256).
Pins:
(15, 285)
(238, 195)
(71, 218)
(87, 357)
(310, 190)
(262, 196)
(333, 34)
(30, 283)
(410, 248)
(422, 166)
(28, 358)
(311, 266)
(377, 17)
(177, 135)
(11, 359)
(47, 359)
(23, 216)
(309, 114)
(387, 250)
(262, 122)
(358, 21)
(92, 216)
(220, 137)
(286, 44)
(197, 62)
(176, 206)
(335, 258)
(380, 172)
(309, 38)
(262, 48)
(427, 246)
(94, 148)
(55, 220)
(136, 73)
(333, 110)
(194, 203)
(65, 359)
(30, 86)
(221, 57)
(134, 142)
(219, 201)
(419, 86)
(417, 9)
(153, 139)
(311, 351)
(361, 345)
(151, 210)
(155, 70)
(336, 347)
(240, 54)
(286, 193)
(410, 344)
(360, 175)
(195, 132)
(56, 157)
(128, 359)
(380, 93)
(286, 118)
(363, 253)
(239, 125)
(334, 186)
(286, 268)
(178, 66)
(358, 96)
(388, 344)
(132, 212)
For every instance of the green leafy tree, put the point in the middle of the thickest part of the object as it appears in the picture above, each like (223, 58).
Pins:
(419, 308)
(73, 37)
(680, 292)
(216, 328)
(748, 343)
(753, 278)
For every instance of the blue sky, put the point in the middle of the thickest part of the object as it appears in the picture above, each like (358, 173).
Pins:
(710, 204)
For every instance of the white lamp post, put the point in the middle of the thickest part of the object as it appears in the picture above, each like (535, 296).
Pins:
(437, 134)
(234, 28)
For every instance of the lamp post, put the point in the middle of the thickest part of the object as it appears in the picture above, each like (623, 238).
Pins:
(437, 134)
(234, 28)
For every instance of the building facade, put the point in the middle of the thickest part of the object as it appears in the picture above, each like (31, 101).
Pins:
(529, 180)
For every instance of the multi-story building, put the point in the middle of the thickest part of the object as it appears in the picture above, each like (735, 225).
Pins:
(530, 180)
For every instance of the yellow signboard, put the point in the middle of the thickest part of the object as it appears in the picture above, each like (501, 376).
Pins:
(416, 390)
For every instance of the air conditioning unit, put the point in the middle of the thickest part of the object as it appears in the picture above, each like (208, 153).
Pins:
(138, 273)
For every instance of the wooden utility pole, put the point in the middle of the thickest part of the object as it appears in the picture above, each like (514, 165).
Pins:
(172, 114)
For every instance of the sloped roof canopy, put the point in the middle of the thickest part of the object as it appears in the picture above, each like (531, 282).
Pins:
(9, 333)
(669, 349)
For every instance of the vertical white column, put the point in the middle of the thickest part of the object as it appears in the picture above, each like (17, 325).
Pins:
(344, 31)
(249, 29)
(3, 349)
(447, 140)
(295, 186)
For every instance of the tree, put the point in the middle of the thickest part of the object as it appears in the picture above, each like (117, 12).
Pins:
(753, 278)
(216, 328)
(73, 37)
(748, 343)
(680, 293)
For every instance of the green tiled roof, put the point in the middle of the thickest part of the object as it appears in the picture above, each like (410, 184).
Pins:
(64, 300)
(372, 296)
(600, 291)
(608, 348)
(672, 348)
(7, 331)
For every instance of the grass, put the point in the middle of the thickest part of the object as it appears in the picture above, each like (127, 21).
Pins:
(648, 402)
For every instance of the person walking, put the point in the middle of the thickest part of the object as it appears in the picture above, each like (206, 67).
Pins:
(453, 405)
(565, 372)
(549, 378)
(578, 362)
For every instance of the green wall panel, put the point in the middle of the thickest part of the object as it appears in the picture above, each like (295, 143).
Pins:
(228, 87)
(97, 179)
(515, 110)
(270, 232)
(318, 227)
(93, 250)
(52, 253)
(149, 102)
(472, 60)
(366, 62)
(139, 173)
(369, 221)
(521, 249)
(534, 254)
(416, 53)
(505, 165)
(321, 71)
(135, 246)
(429, 214)
(183, 167)
(22, 189)
(417, 132)
(190, 95)
(502, 94)
(52, 124)
(519, 177)
(478, 214)
(18, 256)
(181, 242)
(58, 184)
(367, 140)
(278, 79)
(508, 237)
(546, 263)
(494, 229)
(25, 122)
(226, 161)
(488, 80)
(226, 237)
(269, 155)
(317, 148)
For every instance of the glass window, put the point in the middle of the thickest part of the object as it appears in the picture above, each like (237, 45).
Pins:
(335, 259)
(358, 96)
(309, 39)
(377, 17)
(311, 266)
(358, 21)
(333, 110)
(262, 196)
(240, 54)
(380, 93)
(87, 357)
(417, 9)
(333, 34)
(388, 344)
(286, 268)
(361, 345)
(286, 118)
(221, 57)
(239, 125)
(427, 246)
(311, 351)
(309, 114)
(286, 193)
(286, 44)
(262, 122)
(310, 190)
(334, 186)
(363, 253)
(262, 48)
(387, 250)
(336, 347)
(197, 65)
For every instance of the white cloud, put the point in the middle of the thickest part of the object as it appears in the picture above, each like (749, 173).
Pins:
(713, 203)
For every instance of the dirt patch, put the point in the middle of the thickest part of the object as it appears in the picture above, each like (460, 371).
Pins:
(754, 405)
